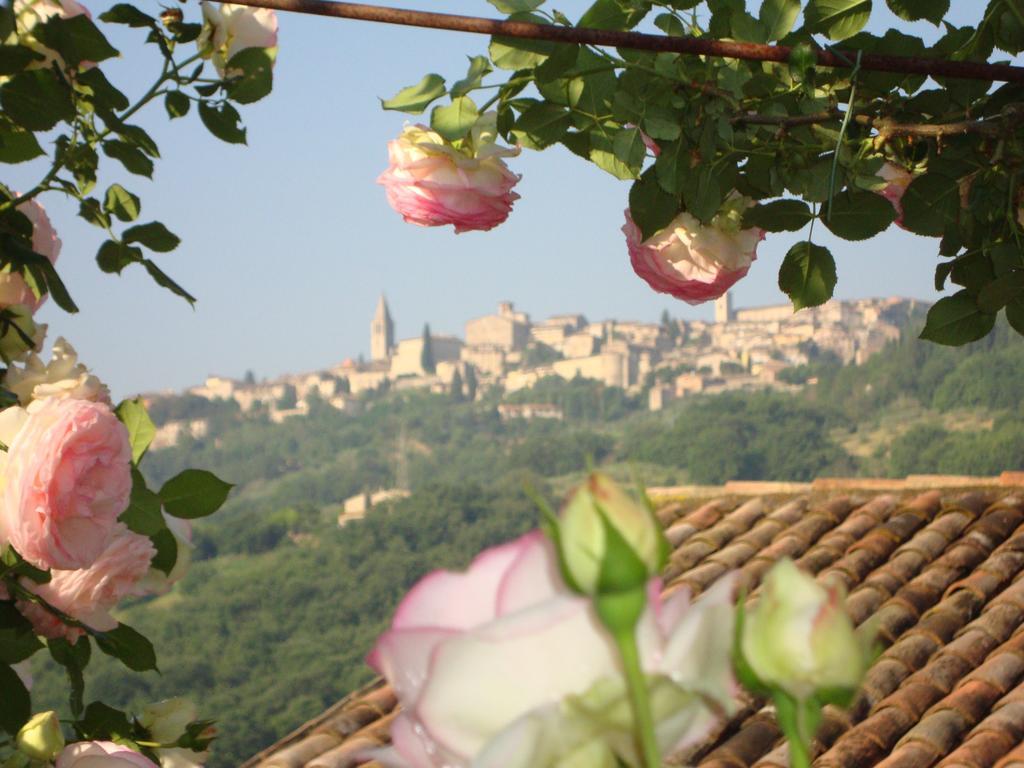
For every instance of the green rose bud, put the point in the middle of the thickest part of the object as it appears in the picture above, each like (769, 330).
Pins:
(608, 541)
(41, 738)
(800, 639)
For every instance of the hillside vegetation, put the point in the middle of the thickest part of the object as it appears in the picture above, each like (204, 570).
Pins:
(273, 621)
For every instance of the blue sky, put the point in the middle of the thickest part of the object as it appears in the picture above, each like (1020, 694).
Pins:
(288, 242)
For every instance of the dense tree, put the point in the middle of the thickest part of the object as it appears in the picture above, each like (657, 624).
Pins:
(427, 362)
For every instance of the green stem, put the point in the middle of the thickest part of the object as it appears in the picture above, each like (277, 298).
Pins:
(639, 698)
(799, 752)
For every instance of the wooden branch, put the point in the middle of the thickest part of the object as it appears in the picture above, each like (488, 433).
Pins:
(695, 46)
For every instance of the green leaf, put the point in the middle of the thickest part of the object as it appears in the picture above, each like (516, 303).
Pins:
(630, 149)
(416, 98)
(153, 235)
(1015, 315)
(454, 120)
(1005, 289)
(779, 216)
(14, 58)
(602, 154)
(138, 138)
(112, 257)
(516, 6)
(177, 104)
(778, 16)
(838, 19)
(516, 53)
(479, 66)
(37, 100)
(956, 320)
(162, 279)
(141, 429)
(122, 203)
(125, 644)
(166, 550)
(15, 704)
(650, 206)
(223, 121)
(91, 210)
(75, 38)
(143, 514)
(914, 10)
(808, 275)
(124, 13)
(702, 192)
(102, 92)
(18, 640)
(132, 158)
(670, 25)
(103, 722)
(857, 215)
(931, 204)
(194, 493)
(18, 145)
(604, 14)
(541, 125)
(251, 73)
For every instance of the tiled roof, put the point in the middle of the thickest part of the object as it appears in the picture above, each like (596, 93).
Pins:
(935, 562)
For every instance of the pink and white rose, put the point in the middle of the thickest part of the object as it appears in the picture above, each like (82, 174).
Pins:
(90, 594)
(13, 288)
(101, 754)
(63, 377)
(230, 28)
(692, 261)
(502, 666)
(65, 479)
(432, 183)
(166, 721)
(897, 179)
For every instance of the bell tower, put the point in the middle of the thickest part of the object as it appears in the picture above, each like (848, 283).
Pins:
(382, 332)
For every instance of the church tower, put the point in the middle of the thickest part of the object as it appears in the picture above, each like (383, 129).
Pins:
(382, 332)
(723, 308)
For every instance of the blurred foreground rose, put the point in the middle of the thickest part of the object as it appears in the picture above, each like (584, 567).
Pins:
(101, 754)
(897, 180)
(800, 638)
(166, 721)
(503, 667)
(89, 594)
(13, 288)
(230, 28)
(691, 261)
(66, 477)
(432, 183)
(583, 531)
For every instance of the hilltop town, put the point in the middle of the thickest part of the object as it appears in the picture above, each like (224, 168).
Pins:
(507, 351)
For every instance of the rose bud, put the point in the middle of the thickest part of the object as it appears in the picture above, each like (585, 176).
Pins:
(598, 520)
(41, 738)
(799, 637)
(102, 754)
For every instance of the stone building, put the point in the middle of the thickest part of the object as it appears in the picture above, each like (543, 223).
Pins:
(382, 332)
(508, 330)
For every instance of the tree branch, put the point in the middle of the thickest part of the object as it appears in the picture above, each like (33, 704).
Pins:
(888, 127)
(696, 46)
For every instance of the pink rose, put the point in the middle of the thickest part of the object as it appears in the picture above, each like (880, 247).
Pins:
(897, 180)
(691, 261)
(101, 754)
(13, 288)
(89, 594)
(485, 663)
(230, 28)
(66, 478)
(431, 183)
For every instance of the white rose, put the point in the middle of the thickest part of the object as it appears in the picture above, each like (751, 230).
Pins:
(62, 377)
(230, 28)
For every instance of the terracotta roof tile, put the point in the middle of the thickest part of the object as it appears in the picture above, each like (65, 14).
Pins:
(939, 573)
